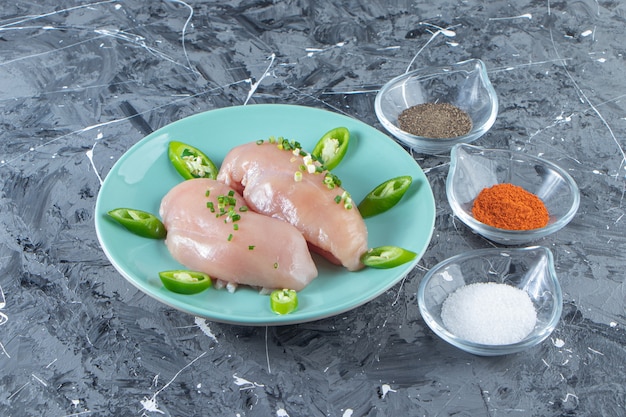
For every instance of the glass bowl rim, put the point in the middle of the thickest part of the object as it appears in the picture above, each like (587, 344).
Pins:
(414, 140)
(532, 339)
(491, 230)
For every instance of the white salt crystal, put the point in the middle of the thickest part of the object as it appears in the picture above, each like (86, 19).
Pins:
(489, 313)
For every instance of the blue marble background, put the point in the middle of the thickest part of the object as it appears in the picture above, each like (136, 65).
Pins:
(81, 82)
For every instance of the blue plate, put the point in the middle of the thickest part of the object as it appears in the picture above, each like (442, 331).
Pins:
(143, 175)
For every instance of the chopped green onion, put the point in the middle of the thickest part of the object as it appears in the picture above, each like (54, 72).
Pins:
(347, 200)
(331, 180)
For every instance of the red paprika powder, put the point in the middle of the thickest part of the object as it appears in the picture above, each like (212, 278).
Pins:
(511, 207)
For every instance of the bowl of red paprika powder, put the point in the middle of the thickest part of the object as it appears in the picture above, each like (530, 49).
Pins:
(509, 197)
(433, 108)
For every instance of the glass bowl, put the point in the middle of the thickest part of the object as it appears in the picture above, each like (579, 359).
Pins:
(473, 168)
(464, 85)
(529, 269)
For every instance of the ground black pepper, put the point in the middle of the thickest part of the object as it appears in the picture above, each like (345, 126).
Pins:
(435, 120)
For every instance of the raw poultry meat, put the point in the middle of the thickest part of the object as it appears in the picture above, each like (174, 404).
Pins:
(206, 234)
(286, 185)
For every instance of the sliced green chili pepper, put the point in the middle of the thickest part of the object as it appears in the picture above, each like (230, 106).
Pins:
(190, 162)
(139, 222)
(332, 147)
(185, 282)
(283, 301)
(384, 196)
(384, 257)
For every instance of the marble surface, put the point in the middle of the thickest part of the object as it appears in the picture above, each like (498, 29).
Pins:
(81, 82)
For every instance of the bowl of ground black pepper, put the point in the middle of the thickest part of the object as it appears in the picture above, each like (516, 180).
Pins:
(432, 109)
(492, 301)
(509, 197)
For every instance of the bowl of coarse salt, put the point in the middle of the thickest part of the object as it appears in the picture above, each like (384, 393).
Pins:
(492, 302)
(433, 108)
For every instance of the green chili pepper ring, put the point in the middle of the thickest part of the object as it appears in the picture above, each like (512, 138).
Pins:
(332, 147)
(283, 301)
(191, 162)
(185, 282)
(384, 196)
(139, 222)
(384, 257)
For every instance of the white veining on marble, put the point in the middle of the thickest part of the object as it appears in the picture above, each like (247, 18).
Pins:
(18, 390)
(255, 85)
(38, 379)
(552, 129)
(203, 325)
(52, 51)
(447, 32)
(597, 352)
(386, 389)
(150, 404)
(244, 384)
(3, 319)
(184, 33)
(312, 51)
(56, 12)
(528, 16)
(111, 122)
(395, 301)
(267, 353)
(585, 99)
(89, 155)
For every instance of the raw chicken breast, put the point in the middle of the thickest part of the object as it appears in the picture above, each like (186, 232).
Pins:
(273, 183)
(254, 249)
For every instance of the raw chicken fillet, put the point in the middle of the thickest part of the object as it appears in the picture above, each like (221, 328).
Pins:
(241, 247)
(266, 176)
